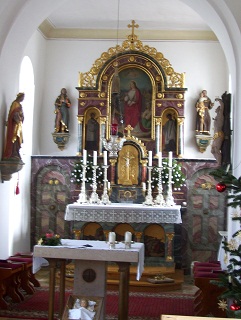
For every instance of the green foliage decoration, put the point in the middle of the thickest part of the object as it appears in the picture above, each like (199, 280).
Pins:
(178, 177)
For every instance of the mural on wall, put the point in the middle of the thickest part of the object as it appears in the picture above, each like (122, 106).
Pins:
(135, 107)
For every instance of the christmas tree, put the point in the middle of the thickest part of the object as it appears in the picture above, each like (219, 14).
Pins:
(230, 299)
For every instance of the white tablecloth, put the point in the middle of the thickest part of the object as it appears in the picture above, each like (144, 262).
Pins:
(70, 244)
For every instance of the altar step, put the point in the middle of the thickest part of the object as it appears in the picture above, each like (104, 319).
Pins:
(143, 285)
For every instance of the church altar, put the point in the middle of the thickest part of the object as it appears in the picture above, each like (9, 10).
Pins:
(123, 213)
(91, 258)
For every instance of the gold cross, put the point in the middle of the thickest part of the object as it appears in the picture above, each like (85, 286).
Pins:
(132, 26)
(129, 129)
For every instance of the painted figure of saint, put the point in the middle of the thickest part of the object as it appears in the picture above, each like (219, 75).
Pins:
(203, 121)
(62, 105)
(14, 137)
(132, 105)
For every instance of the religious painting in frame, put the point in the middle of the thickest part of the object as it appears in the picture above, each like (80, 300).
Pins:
(169, 130)
(135, 103)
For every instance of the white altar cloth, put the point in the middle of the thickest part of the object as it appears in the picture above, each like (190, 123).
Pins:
(123, 213)
(97, 251)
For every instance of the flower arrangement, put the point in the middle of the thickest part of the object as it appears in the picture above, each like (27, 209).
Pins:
(178, 177)
(77, 175)
(50, 239)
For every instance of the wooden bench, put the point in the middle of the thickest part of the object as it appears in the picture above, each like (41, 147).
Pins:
(9, 282)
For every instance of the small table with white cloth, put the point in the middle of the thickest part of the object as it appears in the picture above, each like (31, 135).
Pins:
(94, 256)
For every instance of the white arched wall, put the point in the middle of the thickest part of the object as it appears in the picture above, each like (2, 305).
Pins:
(12, 46)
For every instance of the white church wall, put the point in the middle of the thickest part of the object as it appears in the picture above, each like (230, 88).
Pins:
(203, 62)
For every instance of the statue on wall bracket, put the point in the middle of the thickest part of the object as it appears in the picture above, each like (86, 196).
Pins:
(203, 121)
(61, 131)
(11, 160)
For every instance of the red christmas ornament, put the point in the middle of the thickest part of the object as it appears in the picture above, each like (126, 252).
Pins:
(221, 187)
(234, 307)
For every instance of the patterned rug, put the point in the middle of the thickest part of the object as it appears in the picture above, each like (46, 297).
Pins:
(142, 306)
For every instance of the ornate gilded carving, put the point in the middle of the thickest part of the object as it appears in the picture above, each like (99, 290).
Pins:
(179, 96)
(160, 95)
(174, 79)
(80, 119)
(128, 165)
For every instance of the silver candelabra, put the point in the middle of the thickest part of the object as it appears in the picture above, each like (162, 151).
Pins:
(83, 195)
(105, 196)
(149, 199)
(159, 198)
(94, 198)
(113, 145)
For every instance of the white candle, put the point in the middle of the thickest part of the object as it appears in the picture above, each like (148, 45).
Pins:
(143, 186)
(170, 159)
(112, 237)
(150, 158)
(95, 158)
(84, 156)
(105, 158)
(128, 236)
(159, 159)
(108, 185)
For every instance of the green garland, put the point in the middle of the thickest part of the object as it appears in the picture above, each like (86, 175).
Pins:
(77, 175)
(178, 177)
(50, 239)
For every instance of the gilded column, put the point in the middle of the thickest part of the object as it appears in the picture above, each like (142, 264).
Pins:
(169, 254)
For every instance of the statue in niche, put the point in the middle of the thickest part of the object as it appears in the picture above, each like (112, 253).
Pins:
(218, 132)
(170, 133)
(128, 166)
(14, 136)
(62, 105)
(92, 133)
(203, 120)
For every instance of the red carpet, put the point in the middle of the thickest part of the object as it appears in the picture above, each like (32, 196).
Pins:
(142, 306)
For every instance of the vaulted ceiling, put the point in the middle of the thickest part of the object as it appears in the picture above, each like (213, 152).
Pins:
(108, 19)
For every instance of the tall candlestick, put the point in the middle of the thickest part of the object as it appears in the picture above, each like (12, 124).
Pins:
(84, 156)
(128, 236)
(105, 158)
(170, 159)
(95, 158)
(159, 159)
(150, 158)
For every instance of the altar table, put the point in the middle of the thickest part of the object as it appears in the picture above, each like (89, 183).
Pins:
(123, 213)
(90, 255)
